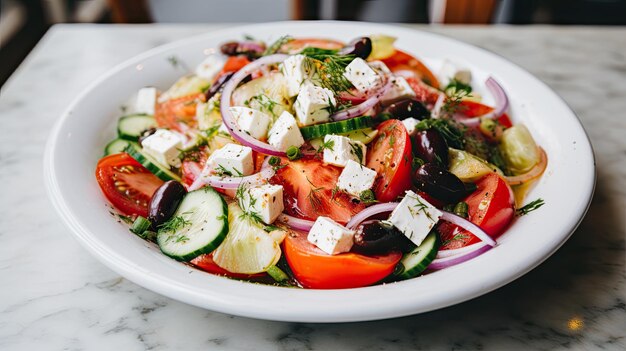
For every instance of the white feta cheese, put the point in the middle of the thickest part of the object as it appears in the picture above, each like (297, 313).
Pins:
(356, 178)
(399, 89)
(146, 100)
(265, 200)
(296, 70)
(164, 146)
(251, 121)
(338, 150)
(232, 159)
(330, 236)
(312, 104)
(380, 66)
(211, 66)
(410, 124)
(450, 70)
(285, 133)
(415, 217)
(361, 75)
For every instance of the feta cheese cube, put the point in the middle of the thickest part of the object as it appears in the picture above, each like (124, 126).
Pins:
(380, 66)
(415, 217)
(450, 70)
(253, 122)
(330, 236)
(164, 146)
(233, 160)
(361, 75)
(410, 124)
(312, 104)
(296, 71)
(356, 178)
(211, 66)
(399, 89)
(285, 133)
(146, 100)
(339, 150)
(265, 200)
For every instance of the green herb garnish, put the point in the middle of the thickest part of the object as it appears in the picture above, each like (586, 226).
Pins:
(293, 153)
(330, 67)
(174, 224)
(367, 197)
(529, 207)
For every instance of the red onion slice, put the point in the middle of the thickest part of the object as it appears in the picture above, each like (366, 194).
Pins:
(502, 104)
(459, 251)
(239, 135)
(296, 223)
(363, 107)
(469, 226)
(535, 172)
(441, 263)
(221, 182)
(369, 212)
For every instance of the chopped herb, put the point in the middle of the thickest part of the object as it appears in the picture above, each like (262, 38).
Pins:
(181, 239)
(314, 197)
(275, 46)
(174, 224)
(417, 162)
(330, 67)
(358, 152)
(456, 85)
(293, 153)
(326, 145)
(451, 131)
(264, 102)
(529, 207)
(335, 191)
(126, 219)
(247, 206)
(459, 236)
(367, 197)
(461, 209)
(222, 171)
(248, 37)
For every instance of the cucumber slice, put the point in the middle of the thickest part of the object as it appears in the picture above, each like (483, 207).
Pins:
(198, 226)
(134, 150)
(416, 261)
(339, 127)
(248, 249)
(130, 127)
(116, 146)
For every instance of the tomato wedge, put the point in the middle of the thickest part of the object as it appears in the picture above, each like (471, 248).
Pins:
(308, 191)
(126, 183)
(171, 113)
(401, 61)
(318, 270)
(491, 207)
(473, 109)
(205, 262)
(390, 156)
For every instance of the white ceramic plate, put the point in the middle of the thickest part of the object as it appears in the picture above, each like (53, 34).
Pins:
(78, 139)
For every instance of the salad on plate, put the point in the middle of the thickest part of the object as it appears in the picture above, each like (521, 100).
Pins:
(317, 164)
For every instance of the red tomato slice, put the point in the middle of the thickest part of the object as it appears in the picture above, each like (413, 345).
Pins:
(171, 113)
(318, 270)
(401, 61)
(473, 109)
(390, 156)
(424, 92)
(126, 183)
(205, 262)
(297, 45)
(491, 207)
(308, 191)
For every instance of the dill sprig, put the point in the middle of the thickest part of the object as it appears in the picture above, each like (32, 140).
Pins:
(275, 46)
(247, 206)
(264, 102)
(314, 197)
(174, 224)
(455, 92)
(529, 207)
(330, 67)
(326, 145)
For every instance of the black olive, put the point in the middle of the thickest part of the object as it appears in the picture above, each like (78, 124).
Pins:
(377, 237)
(231, 48)
(430, 146)
(165, 201)
(218, 85)
(360, 47)
(146, 133)
(439, 183)
(404, 109)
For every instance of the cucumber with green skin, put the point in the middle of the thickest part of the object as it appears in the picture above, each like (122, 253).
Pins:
(130, 127)
(339, 127)
(198, 226)
(116, 146)
(415, 262)
(161, 171)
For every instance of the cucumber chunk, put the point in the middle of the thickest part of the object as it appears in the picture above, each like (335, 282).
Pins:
(159, 170)
(130, 127)
(198, 226)
(116, 146)
(345, 126)
(416, 261)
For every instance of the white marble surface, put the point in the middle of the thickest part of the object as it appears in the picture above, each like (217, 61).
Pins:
(55, 296)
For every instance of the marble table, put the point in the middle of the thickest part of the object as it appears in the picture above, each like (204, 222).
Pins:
(55, 296)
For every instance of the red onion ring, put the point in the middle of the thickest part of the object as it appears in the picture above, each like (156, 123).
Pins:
(296, 223)
(502, 104)
(369, 212)
(469, 226)
(459, 251)
(225, 101)
(535, 172)
(363, 107)
(441, 263)
(222, 182)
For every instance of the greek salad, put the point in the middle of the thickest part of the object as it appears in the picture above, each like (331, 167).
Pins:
(314, 163)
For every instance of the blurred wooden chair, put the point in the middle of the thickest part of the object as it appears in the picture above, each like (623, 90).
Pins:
(130, 11)
(462, 11)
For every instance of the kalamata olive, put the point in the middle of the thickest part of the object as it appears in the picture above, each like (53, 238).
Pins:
(360, 47)
(377, 237)
(146, 133)
(165, 201)
(430, 146)
(439, 183)
(404, 109)
(231, 48)
(218, 85)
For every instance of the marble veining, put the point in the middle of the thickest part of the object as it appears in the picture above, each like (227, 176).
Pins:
(55, 296)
